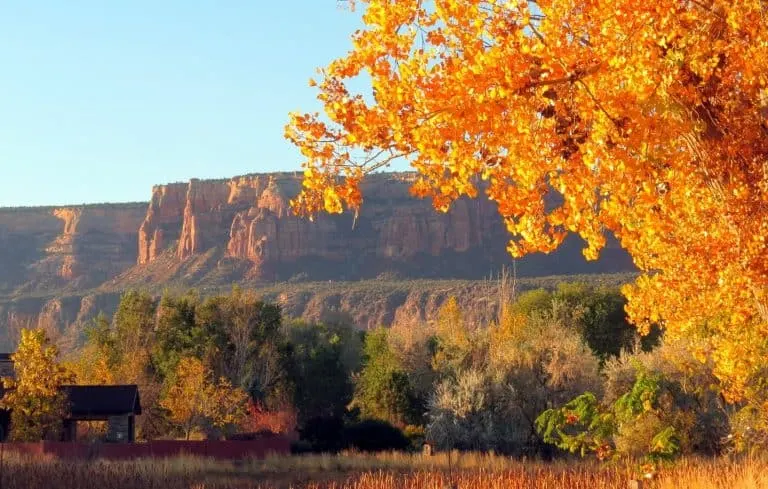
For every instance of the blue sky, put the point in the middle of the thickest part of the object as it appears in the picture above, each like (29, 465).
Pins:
(101, 99)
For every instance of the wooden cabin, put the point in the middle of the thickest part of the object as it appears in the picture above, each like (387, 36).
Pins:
(118, 405)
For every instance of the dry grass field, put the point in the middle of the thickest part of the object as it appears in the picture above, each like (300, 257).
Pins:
(355, 471)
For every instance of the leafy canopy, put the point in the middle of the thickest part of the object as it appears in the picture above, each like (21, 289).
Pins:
(194, 399)
(582, 425)
(383, 388)
(648, 120)
(37, 404)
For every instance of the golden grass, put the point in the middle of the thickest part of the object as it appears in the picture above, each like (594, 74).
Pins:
(715, 474)
(356, 471)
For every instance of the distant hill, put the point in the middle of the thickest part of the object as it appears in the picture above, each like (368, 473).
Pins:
(61, 266)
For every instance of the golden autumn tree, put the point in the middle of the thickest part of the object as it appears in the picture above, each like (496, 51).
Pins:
(90, 366)
(37, 404)
(195, 399)
(647, 120)
(454, 341)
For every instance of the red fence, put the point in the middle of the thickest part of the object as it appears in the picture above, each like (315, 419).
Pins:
(230, 450)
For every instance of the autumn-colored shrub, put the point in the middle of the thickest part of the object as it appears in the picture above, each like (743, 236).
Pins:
(654, 420)
(282, 421)
(506, 376)
(694, 406)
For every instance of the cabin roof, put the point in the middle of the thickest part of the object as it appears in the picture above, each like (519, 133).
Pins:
(102, 400)
(90, 400)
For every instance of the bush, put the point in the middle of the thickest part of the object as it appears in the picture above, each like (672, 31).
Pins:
(390, 276)
(749, 430)
(693, 407)
(373, 435)
(301, 447)
(416, 436)
(658, 417)
(299, 277)
(251, 435)
(323, 434)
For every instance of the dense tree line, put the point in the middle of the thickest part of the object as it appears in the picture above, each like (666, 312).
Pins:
(559, 368)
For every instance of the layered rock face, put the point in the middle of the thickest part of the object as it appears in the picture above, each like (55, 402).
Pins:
(248, 218)
(47, 249)
(166, 206)
(62, 317)
(61, 266)
(199, 214)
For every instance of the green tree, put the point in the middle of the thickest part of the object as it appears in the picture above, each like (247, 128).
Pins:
(692, 401)
(656, 404)
(597, 313)
(250, 344)
(532, 301)
(34, 397)
(642, 422)
(121, 352)
(134, 323)
(179, 333)
(322, 360)
(383, 390)
(602, 320)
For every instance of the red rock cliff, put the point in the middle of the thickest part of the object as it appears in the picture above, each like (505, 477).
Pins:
(198, 215)
(210, 234)
(247, 219)
(165, 207)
